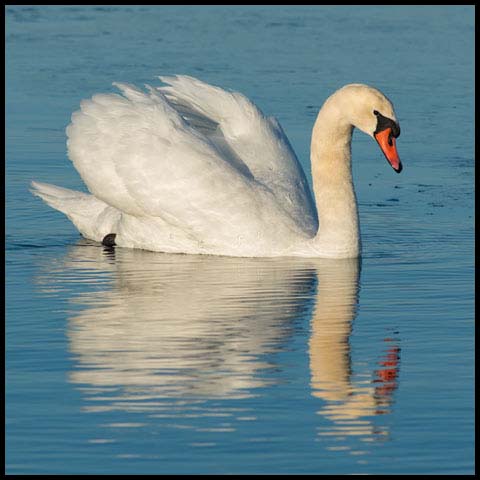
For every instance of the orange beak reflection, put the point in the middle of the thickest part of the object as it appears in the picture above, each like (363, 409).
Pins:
(387, 143)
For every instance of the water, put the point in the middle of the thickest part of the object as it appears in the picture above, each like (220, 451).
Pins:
(135, 362)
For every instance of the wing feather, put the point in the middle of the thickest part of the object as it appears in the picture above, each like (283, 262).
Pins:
(257, 142)
(147, 156)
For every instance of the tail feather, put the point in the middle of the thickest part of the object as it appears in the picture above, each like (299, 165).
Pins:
(93, 218)
(57, 197)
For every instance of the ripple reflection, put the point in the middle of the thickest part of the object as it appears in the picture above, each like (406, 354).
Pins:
(161, 334)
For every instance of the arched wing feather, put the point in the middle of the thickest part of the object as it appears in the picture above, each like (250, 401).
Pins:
(256, 142)
(137, 153)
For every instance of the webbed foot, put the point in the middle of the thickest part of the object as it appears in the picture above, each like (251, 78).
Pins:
(109, 240)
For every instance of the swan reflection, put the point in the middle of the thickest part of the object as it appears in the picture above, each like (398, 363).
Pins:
(158, 327)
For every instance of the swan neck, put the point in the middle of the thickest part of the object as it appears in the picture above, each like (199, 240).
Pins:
(338, 233)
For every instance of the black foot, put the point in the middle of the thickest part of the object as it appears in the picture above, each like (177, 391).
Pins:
(109, 240)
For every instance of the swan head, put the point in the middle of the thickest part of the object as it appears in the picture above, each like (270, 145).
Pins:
(369, 110)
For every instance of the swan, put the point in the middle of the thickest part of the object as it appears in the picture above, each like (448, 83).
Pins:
(188, 167)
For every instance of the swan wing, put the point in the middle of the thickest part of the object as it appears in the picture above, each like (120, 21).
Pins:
(136, 153)
(253, 143)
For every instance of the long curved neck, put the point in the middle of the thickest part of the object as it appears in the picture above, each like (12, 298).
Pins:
(338, 233)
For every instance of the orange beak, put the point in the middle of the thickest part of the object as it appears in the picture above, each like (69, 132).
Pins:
(387, 143)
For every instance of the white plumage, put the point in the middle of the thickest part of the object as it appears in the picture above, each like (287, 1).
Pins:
(187, 168)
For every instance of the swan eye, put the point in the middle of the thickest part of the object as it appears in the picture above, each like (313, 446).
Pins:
(375, 112)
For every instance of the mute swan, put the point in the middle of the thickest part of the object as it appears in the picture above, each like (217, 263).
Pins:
(191, 168)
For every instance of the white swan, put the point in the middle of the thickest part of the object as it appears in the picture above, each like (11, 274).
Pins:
(192, 168)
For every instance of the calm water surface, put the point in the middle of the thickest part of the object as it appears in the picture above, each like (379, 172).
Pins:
(136, 362)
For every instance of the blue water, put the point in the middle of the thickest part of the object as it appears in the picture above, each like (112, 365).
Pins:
(135, 362)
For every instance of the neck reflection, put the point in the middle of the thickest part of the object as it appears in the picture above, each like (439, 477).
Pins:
(349, 403)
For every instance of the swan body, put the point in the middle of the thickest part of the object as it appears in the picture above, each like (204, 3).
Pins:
(191, 168)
